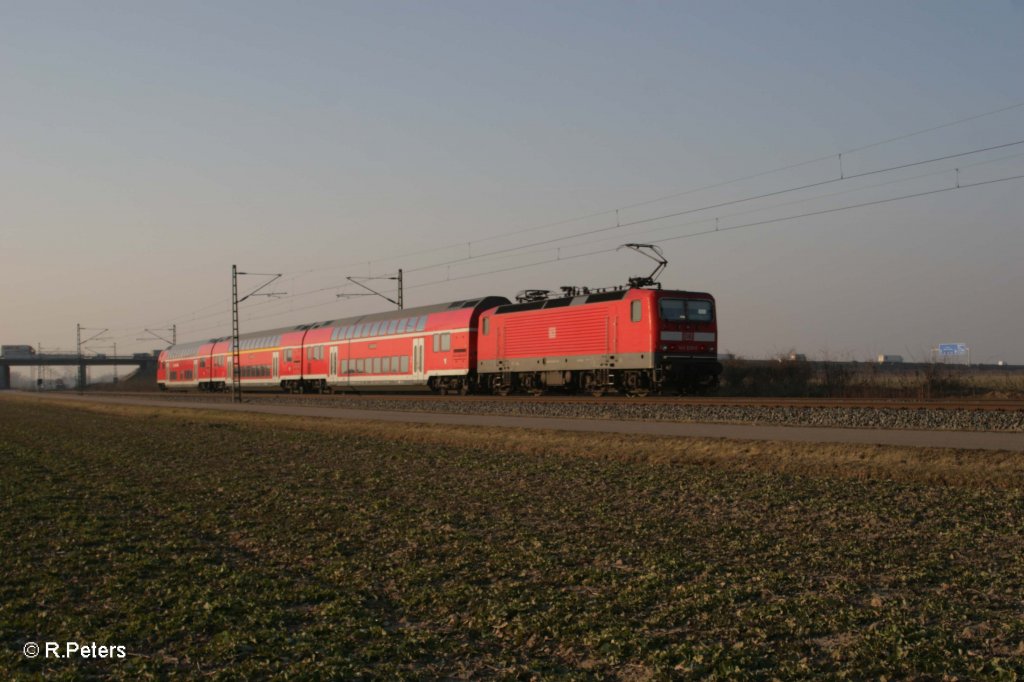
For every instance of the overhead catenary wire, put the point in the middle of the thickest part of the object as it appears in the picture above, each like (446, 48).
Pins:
(620, 225)
(570, 257)
(690, 235)
(723, 204)
(193, 317)
(716, 185)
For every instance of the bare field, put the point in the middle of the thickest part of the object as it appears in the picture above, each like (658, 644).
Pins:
(231, 545)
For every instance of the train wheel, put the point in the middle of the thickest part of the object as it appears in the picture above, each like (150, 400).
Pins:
(588, 384)
(498, 387)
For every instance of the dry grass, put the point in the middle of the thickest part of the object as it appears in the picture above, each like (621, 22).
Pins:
(943, 466)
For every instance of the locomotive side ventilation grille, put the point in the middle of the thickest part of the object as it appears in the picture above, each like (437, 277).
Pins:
(607, 296)
(561, 302)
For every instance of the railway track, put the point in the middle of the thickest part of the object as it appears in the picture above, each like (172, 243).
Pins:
(968, 404)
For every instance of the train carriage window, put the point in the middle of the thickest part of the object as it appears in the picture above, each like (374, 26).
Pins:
(437, 343)
(376, 365)
(288, 355)
(400, 328)
(421, 323)
(392, 325)
(376, 329)
(404, 363)
(636, 311)
(202, 362)
(385, 365)
(487, 326)
(360, 365)
(395, 360)
(446, 341)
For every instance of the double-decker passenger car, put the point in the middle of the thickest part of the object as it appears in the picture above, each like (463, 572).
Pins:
(634, 340)
(431, 346)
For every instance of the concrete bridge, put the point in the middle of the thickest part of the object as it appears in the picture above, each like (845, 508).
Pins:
(141, 360)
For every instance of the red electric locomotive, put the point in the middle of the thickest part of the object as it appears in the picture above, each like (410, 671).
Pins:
(633, 340)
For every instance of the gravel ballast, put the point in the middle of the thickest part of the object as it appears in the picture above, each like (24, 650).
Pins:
(832, 417)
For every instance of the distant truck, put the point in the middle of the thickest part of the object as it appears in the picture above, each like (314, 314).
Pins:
(17, 351)
(890, 359)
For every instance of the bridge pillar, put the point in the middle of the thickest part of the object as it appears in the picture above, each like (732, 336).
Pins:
(81, 376)
(5, 377)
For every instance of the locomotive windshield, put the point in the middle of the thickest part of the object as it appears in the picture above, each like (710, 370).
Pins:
(680, 309)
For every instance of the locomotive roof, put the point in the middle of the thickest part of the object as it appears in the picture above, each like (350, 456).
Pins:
(474, 303)
(585, 298)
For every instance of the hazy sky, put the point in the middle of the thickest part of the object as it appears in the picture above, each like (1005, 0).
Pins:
(146, 147)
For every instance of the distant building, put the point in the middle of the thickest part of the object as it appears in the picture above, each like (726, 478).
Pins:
(890, 359)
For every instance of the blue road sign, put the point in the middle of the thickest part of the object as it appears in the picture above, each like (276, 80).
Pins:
(952, 349)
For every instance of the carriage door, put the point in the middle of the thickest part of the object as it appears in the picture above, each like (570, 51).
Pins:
(333, 370)
(195, 370)
(417, 358)
(276, 367)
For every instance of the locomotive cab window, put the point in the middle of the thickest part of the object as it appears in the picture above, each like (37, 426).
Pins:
(680, 310)
(636, 311)
(487, 326)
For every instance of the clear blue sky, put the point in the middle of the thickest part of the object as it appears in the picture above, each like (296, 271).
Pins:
(147, 147)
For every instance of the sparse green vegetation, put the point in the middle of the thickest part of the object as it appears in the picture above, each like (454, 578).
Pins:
(249, 546)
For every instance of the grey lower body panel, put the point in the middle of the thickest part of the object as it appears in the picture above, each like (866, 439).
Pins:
(673, 363)
(568, 363)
